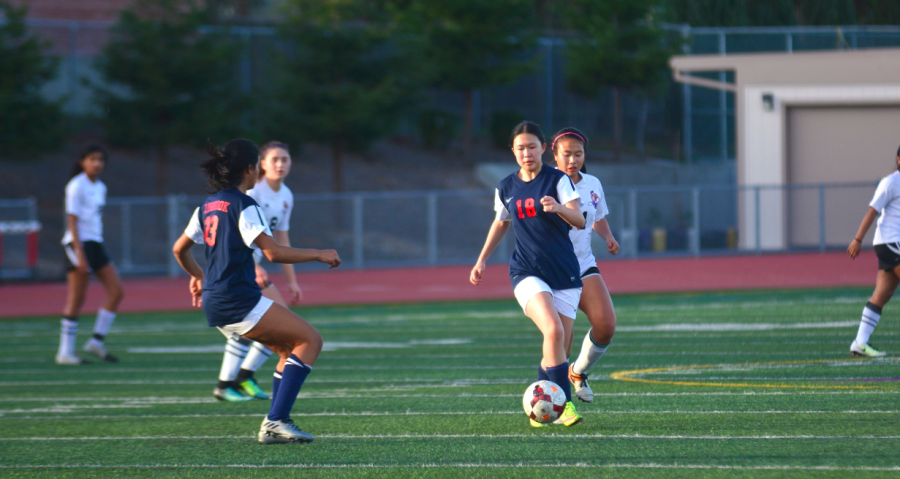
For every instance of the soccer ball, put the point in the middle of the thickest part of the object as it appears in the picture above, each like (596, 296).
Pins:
(544, 401)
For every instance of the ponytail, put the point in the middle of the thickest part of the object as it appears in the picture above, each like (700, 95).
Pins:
(225, 169)
(77, 169)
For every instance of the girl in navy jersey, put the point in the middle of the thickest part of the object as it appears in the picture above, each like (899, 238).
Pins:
(231, 226)
(243, 357)
(83, 243)
(568, 149)
(543, 204)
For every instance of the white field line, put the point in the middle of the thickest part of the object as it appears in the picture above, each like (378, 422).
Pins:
(736, 326)
(481, 381)
(465, 465)
(420, 413)
(178, 399)
(704, 437)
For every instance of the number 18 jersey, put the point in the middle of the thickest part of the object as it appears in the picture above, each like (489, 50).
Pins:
(227, 224)
(543, 247)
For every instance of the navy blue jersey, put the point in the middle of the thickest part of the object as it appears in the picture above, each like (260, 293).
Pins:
(227, 223)
(543, 247)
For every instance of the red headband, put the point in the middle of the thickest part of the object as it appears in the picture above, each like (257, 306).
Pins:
(553, 145)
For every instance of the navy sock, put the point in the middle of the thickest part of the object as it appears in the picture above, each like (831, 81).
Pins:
(276, 383)
(542, 374)
(292, 378)
(560, 375)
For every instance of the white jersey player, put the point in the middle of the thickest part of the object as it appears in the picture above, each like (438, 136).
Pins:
(275, 199)
(568, 148)
(83, 244)
(886, 203)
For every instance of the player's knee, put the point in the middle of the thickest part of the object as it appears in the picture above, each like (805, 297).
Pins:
(316, 342)
(555, 333)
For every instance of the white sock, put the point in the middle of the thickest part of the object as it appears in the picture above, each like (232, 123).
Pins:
(231, 363)
(67, 331)
(591, 352)
(870, 316)
(256, 357)
(101, 326)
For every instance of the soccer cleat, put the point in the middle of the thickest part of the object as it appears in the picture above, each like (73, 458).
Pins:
(582, 388)
(100, 352)
(282, 432)
(70, 360)
(536, 424)
(865, 350)
(250, 388)
(230, 395)
(570, 416)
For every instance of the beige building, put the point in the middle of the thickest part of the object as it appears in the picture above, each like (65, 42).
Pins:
(810, 118)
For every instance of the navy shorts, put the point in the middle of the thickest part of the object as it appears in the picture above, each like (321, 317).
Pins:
(94, 253)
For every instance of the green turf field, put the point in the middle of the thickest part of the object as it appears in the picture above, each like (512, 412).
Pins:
(755, 384)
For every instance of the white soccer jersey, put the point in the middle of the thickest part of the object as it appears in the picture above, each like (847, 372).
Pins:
(887, 202)
(276, 205)
(594, 208)
(85, 199)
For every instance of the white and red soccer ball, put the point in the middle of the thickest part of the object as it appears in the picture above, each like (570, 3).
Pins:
(544, 401)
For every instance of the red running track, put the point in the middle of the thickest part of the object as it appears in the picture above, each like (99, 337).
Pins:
(450, 283)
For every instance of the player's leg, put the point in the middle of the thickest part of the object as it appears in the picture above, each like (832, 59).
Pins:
(77, 289)
(598, 306)
(885, 285)
(298, 344)
(112, 282)
(256, 355)
(226, 389)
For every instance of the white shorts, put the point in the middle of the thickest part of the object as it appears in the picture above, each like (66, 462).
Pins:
(249, 322)
(565, 300)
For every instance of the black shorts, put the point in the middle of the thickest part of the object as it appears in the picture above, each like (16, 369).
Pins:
(888, 258)
(93, 251)
(590, 271)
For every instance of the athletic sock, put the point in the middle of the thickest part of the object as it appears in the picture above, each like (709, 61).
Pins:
(560, 375)
(870, 316)
(292, 378)
(255, 357)
(235, 351)
(67, 330)
(276, 383)
(591, 352)
(101, 326)
(542, 373)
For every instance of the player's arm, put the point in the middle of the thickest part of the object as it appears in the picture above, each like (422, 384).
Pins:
(495, 235)
(282, 238)
(182, 252)
(569, 212)
(72, 225)
(602, 229)
(287, 255)
(856, 244)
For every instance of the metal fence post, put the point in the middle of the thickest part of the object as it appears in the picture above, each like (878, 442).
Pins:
(687, 113)
(695, 228)
(821, 217)
(32, 208)
(758, 233)
(789, 42)
(126, 236)
(431, 234)
(632, 221)
(358, 231)
(172, 203)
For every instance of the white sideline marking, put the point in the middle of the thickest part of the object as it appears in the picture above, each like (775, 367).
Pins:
(462, 465)
(736, 326)
(464, 436)
(414, 413)
(212, 348)
(327, 346)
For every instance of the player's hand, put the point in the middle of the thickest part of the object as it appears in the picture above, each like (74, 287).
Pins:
(296, 294)
(476, 274)
(82, 266)
(196, 291)
(853, 249)
(330, 257)
(612, 246)
(550, 205)
(262, 278)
